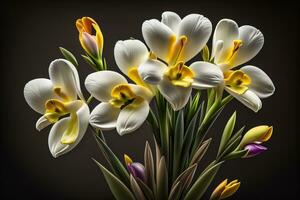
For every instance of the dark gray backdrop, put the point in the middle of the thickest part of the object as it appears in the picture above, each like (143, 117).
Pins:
(33, 31)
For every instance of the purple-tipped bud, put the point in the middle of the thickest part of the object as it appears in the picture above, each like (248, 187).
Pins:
(137, 170)
(90, 44)
(254, 149)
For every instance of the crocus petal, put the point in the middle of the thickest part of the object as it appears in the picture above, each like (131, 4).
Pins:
(197, 29)
(42, 123)
(37, 92)
(64, 74)
(130, 53)
(104, 116)
(252, 42)
(152, 71)
(254, 149)
(158, 37)
(207, 75)
(132, 117)
(171, 19)
(56, 147)
(177, 96)
(226, 32)
(100, 84)
(249, 99)
(261, 83)
(142, 91)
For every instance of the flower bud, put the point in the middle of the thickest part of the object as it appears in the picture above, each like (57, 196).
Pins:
(90, 36)
(225, 189)
(254, 149)
(137, 170)
(257, 134)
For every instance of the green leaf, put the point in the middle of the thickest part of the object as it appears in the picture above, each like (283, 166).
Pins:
(236, 154)
(119, 189)
(69, 56)
(175, 191)
(149, 166)
(89, 61)
(117, 166)
(200, 152)
(178, 142)
(138, 193)
(230, 147)
(162, 180)
(152, 119)
(202, 183)
(227, 133)
(146, 190)
(186, 177)
(205, 53)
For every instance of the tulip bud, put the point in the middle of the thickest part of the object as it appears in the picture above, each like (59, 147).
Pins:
(137, 170)
(90, 36)
(257, 135)
(225, 189)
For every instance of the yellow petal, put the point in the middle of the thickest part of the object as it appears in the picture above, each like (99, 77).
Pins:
(218, 190)
(122, 92)
(71, 134)
(230, 190)
(127, 159)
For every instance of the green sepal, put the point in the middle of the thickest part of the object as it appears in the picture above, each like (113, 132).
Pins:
(69, 56)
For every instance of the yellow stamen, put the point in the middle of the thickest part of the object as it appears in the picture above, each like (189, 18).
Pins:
(122, 92)
(152, 55)
(236, 45)
(71, 133)
(237, 81)
(133, 74)
(180, 75)
(58, 91)
(127, 159)
(175, 52)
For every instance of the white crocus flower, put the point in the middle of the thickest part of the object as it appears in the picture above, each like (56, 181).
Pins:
(123, 106)
(56, 99)
(175, 41)
(233, 46)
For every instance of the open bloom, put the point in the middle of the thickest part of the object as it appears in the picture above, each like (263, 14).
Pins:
(253, 138)
(233, 46)
(174, 41)
(123, 106)
(57, 100)
(90, 36)
(225, 189)
(136, 169)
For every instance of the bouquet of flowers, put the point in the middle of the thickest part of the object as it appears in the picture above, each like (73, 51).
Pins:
(180, 100)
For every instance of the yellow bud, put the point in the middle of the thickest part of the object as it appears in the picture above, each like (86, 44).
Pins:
(257, 134)
(127, 159)
(225, 189)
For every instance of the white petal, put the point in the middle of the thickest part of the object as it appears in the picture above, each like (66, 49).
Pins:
(104, 116)
(100, 84)
(37, 92)
(131, 118)
(58, 129)
(152, 71)
(171, 19)
(252, 42)
(142, 91)
(261, 83)
(177, 96)
(197, 29)
(207, 75)
(249, 99)
(226, 31)
(64, 74)
(42, 123)
(130, 53)
(158, 37)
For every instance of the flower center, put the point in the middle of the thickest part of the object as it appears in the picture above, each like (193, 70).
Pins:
(180, 75)
(122, 96)
(237, 81)
(236, 46)
(175, 49)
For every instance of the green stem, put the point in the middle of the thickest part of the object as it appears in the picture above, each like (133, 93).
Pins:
(89, 99)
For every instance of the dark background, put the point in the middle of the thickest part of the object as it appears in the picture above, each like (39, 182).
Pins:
(31, 33)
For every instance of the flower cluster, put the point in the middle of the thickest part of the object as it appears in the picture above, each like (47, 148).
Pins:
(167, 68)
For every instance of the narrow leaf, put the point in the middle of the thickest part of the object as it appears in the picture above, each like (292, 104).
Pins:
(118, 189)
(178, 142)
(230, 147)
(136, 189)
(89, 61)
(146, 190)
(227, 133)
(186, 177)
(205, 53)
(175, 192)
(149, 166)
(120, 170)
(69, 56)
(202, 183)
(236, 154)
(200, 152)
(162, 180)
